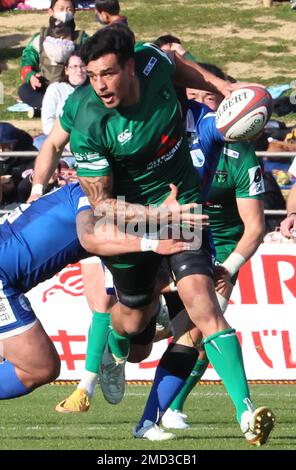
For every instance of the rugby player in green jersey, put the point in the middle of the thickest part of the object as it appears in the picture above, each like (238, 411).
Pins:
(127, 136)
(236, 214)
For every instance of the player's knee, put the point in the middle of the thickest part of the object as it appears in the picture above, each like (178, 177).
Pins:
(134, 327)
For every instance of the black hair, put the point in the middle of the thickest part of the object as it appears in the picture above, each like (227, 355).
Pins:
(166, 39)
(109, 40)
(58, 29)
(110, 6)
(53, 2)
(216, 71)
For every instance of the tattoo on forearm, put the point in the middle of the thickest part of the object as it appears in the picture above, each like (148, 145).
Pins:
(97, 189)
(99, 193)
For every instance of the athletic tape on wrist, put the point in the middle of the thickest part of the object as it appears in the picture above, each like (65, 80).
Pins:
(234, 262)
(37, 189)
(148, 245)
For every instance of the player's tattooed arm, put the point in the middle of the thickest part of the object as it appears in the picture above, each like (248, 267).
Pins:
(118, 211)
(103, 239)
(99, 192)
(97, 188)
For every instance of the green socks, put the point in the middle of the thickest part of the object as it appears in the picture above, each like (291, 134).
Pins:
(225, 354)
(96, 341)
(118, 345)
(196, 374)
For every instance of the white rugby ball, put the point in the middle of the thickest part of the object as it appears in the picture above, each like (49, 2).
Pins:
(244, 114)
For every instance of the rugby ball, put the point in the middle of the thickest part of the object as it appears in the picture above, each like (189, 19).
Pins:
(244, 114)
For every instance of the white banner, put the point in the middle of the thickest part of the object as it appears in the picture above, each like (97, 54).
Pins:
(262, 311)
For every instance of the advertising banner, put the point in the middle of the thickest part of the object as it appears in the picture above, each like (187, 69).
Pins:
(262, 309)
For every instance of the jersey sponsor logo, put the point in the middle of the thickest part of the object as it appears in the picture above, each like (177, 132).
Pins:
(256, 181)
(68, 281)
(213, 205)
(198, 158)
(149, 67)
(125, 136)
(167, 143)
(82, 157)
(221, 176)
(230, 153)
(167, 152)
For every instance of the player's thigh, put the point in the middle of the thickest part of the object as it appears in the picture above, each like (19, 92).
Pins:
(134, 277)
(31, 350)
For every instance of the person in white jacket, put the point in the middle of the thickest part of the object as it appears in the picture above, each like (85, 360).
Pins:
(56, 94)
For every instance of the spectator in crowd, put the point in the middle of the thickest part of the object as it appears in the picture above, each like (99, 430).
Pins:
(8, 4)
(12, 169)
(74, 74)
(44, 58)
(66, 171)
(108, 12)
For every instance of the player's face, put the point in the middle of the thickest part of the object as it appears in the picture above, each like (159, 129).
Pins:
(212, 100)
(115, 85)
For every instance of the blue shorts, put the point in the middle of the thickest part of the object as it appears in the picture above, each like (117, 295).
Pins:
(16, 314)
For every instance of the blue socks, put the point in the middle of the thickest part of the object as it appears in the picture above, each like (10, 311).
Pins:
(164, 389)
(10, 384)
(171, 374)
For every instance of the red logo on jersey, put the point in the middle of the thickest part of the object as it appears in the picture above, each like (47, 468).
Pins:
(69, 280)
(167, 143)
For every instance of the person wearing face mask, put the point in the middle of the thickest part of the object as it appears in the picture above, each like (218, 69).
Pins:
(44, 58)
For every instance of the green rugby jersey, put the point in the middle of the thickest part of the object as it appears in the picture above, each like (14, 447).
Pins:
(238, 175)
(144, 146)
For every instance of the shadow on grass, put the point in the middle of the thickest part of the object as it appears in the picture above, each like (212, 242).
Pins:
(13, 53)
(9, 43)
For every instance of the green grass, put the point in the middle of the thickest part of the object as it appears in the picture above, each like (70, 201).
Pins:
(199, 23)
(30, 422)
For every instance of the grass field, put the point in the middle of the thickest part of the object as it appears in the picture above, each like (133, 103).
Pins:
(30, 422)
(251, 43)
